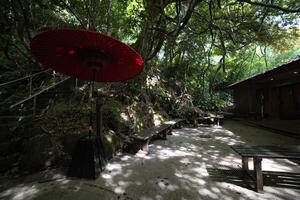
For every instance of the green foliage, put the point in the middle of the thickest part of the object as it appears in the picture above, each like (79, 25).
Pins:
(194, 47)
(111, 115)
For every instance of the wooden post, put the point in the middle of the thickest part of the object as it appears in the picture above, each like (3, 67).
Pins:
(258, 174)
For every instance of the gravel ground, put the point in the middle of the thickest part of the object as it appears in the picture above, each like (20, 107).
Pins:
(193, 163)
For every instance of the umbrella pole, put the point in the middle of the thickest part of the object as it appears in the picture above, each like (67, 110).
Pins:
(99, 133)
(99, 118)
(99, 104)
(99, 128)
(91, 110)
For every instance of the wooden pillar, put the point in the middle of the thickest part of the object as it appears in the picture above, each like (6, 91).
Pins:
(258, 174)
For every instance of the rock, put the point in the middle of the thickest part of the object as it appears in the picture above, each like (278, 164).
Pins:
(28, 130)
(35, 153)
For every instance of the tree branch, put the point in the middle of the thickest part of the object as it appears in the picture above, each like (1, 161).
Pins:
(287, 10)
(73, 13)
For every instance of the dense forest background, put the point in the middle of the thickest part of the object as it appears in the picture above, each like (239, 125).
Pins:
(192, 49)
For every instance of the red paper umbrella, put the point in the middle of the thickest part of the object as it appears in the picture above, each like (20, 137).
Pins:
(86, 55)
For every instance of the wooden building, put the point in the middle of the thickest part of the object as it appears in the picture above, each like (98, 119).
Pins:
(274, 94)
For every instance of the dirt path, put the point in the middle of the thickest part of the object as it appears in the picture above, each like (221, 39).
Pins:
(190, 164)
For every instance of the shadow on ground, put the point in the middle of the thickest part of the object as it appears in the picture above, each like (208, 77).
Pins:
(192, 164)
(239, 178)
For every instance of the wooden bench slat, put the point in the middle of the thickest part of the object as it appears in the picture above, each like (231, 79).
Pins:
(146, 134)
(176, 123)
(268, 151)
(273, 156)
(269, 147)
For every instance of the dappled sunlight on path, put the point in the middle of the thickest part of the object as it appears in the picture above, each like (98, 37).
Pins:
(193, 163)
(178, 168)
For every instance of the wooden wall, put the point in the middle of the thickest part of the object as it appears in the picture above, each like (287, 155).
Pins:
(280, 102)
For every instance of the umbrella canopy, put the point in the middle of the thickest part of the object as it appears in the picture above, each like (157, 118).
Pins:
(86, 55)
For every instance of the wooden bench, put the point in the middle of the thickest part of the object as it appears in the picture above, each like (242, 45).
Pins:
(204, 120)
(141, 140)
(176, 123)
(208, 120)
(260, 152)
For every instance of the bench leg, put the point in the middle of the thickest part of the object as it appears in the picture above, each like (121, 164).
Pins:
(178, 125)
(164, 134)
(195, 122)
(145, 147)
(258, 174)
(245, 164)
(169, 131)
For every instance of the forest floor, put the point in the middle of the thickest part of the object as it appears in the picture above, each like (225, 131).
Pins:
(192, 164)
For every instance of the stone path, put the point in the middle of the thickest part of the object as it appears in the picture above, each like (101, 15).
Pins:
(190, 164)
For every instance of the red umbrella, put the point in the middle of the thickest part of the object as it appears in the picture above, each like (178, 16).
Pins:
(91, 56)
(86, 55)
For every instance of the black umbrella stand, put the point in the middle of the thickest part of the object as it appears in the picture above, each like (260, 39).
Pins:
(88, 158)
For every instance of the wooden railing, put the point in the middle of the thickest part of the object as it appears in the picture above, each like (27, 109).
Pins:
(33, 96)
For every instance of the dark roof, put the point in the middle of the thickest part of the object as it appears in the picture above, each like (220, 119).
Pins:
(281, 68)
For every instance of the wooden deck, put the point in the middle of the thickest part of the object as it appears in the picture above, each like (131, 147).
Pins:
(290, 127)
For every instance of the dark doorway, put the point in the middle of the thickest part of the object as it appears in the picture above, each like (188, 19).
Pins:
(290, 101)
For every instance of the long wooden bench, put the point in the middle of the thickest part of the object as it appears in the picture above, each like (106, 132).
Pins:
(141, 140)
(176, 123)
(260, 152)
(208, 120)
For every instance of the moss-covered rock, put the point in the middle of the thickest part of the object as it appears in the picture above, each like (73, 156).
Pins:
(112, 143)
(36, 153)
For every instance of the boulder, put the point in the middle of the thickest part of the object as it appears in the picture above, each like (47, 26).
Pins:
(36, 153)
